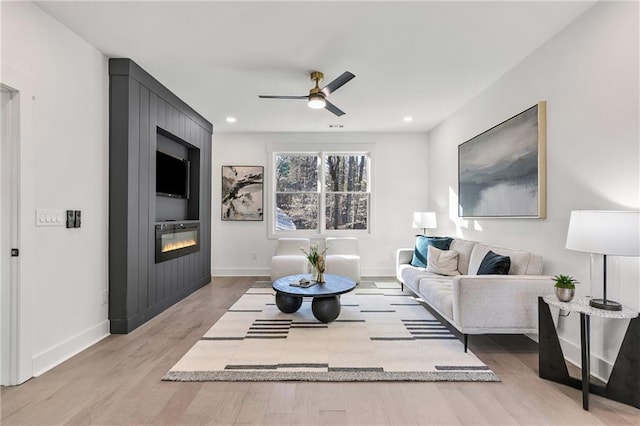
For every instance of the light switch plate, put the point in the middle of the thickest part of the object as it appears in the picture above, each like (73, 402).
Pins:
(50, 217)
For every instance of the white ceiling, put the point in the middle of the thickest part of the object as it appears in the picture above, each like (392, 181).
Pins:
(423, 59)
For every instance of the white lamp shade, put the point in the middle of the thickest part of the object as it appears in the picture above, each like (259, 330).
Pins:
(615, 233)
(424, 220)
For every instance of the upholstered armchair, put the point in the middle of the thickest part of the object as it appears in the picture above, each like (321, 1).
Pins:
(342, 257)
(289, 259)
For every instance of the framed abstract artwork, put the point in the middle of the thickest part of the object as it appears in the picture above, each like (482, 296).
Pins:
(242, 193)
(502, 171)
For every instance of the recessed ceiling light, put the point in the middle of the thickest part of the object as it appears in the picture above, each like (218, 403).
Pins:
(407, 119)
(230, 119)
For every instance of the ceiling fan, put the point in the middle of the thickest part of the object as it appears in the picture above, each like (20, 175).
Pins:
(317, 98)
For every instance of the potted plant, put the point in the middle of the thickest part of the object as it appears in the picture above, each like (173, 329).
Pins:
(565, 287)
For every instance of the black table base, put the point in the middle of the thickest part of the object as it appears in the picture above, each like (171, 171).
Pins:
(326, 309)
(624, 381)
(288, 304)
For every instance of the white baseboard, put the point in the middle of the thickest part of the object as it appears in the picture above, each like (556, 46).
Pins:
(378, 272)
(265, 272)
(600, 368)
(46, 360)
(240, 272)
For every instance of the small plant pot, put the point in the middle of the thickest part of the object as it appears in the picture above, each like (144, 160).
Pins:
(565, 294)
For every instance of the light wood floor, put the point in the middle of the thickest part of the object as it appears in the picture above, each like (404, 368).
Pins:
(117, 381)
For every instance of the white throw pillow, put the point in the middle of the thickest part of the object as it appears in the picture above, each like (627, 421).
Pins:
(443, 262)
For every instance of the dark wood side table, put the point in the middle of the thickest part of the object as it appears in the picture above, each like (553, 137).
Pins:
(624, 381)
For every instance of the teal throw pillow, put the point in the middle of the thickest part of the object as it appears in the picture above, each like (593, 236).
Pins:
(494, 264)
(422, 245)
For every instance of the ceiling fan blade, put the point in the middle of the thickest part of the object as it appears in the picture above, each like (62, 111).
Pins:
(334, 109)
(281, 97)
(337, 83)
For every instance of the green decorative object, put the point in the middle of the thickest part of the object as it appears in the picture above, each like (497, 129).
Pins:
(565, 287)
(565, 281)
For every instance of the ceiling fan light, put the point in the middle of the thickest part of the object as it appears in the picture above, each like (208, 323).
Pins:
(316, 102)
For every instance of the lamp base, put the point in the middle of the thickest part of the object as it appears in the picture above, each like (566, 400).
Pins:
(607, 305)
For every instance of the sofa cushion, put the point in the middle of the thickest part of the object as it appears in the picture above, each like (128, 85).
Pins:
(535, 265)
(442, 262)
(519, 259)
(494, 264)
(411, 275)
(437, 291)
(422, 244)
(464, 248)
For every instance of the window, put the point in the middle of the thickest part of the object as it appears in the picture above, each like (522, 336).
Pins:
(346, 193)
(321, 193)
(297, 192)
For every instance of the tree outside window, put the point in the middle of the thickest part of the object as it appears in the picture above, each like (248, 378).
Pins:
(297, 195)
(321, 192)
(346, 194)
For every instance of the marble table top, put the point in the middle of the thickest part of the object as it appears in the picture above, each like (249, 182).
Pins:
(581, 304)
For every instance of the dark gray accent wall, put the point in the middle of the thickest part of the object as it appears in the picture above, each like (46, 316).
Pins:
(139, 288)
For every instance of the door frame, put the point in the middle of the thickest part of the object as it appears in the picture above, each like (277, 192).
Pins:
(15, 359)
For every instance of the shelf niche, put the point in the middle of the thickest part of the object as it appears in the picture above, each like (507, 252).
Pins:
(170, 208)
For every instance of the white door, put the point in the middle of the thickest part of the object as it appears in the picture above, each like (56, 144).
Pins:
(12, 372)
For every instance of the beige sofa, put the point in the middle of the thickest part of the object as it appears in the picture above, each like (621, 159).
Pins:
(481, 304)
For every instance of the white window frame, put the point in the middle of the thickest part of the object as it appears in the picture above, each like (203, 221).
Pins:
(322, 150)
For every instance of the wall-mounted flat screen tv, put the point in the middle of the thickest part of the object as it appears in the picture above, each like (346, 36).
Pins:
(172, 176)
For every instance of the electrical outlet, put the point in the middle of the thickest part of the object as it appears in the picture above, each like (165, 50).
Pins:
(105, 297)
(254, 256)
(77, 221)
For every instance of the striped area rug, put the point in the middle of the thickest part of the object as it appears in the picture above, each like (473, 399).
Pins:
(382, 334)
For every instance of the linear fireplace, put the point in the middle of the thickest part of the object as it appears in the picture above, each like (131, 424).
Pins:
(176, 240)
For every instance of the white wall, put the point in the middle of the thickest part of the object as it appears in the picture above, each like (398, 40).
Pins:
(588, 74)
(400, 185)
(63, 84)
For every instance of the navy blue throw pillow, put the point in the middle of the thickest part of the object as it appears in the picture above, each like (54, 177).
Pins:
(422, 245)
(494, 264)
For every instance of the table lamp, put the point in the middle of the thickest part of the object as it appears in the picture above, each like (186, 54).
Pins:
(424, 220)
(615, 233)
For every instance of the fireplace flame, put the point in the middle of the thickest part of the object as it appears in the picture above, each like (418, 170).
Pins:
(178, 245)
